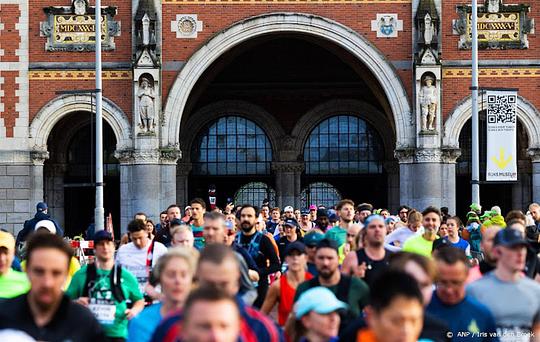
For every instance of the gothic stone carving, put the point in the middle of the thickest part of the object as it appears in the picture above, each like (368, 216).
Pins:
(170, 155)
(429, 99)
(39, 155)
(146, 107)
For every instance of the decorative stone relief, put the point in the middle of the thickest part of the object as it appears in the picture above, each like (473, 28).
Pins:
(72, 28)
(170, 155)
(387, 25)
(38, 155)
(428, 156)
(450, 155)
(405, 155)
(427, 28)
(500, 26)
(288, 167)
(534, 154)
(186, 26)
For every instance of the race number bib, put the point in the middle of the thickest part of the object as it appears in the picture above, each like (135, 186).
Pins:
(104, 311)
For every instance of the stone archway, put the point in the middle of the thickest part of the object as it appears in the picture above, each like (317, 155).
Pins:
(58, 108)
(311, 25)
(527, 113)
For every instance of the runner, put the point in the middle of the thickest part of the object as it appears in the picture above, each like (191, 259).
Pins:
(198, 208)
(288, 212)
(449, 302)
(403, 213)
(105, 288)
(345, 210)
(261, 249)
(181, 234)
(395, 240)
(352, 291)
(174, 273)
(211, 315)
(366, 263)
(140, 255)
(313, 213)
(272, 224)
(364, 210)
(45, 312)
(322, 222)
(454, 224)
(317, 315)
(306, 225)
(423, 244)
(290, 229)
(353, 241)
(513, 299)
(282, 291)
(395, 312)
(311, 240)
(164, 232)
(533, 229)
(12, 283)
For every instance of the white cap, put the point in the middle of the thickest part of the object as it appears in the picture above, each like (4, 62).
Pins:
(47, 224)
(288, 208)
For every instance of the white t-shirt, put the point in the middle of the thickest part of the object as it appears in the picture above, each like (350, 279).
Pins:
(400, 235)
(134, 260)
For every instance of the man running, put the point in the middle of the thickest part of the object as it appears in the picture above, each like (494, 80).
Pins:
(12, 283)
(345, 210)
(198, 208)
(423, 244)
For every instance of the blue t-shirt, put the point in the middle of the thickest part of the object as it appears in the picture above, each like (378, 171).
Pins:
(468, 320)
(461, 244)
(142, 326)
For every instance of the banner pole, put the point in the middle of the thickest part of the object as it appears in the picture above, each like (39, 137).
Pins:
(475, 181)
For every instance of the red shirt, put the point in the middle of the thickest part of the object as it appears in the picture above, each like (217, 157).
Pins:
(286, 297)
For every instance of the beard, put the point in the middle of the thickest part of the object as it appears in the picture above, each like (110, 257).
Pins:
(246, 226)
(326, 273)
(376, 243)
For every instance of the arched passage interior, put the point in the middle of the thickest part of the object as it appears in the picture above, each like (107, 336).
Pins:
(277, 81)
(69, 173)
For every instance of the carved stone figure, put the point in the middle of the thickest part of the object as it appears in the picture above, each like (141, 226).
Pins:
(79, 7)
(493, 6)
(429, 98)
(429, 30)
(146, 96)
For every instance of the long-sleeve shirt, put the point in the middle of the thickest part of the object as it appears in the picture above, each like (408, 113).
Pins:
(400, 235)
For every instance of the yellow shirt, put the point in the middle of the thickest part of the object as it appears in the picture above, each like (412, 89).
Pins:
(74, 266)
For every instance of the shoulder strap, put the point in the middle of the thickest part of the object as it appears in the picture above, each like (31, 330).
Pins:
(115, 278)
(343, 288)
(91, 274)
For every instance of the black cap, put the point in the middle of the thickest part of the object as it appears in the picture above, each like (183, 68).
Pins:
(290, 222)
(176, 222)
(364, 206)
(440, 243)
(328, 243)
(509, 237)
(295, 246)
(322, 213)
(101, 236)
(41, 206)
(304, 212)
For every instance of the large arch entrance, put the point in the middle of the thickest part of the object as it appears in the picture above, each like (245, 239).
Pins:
(282, 98)
(69, 174)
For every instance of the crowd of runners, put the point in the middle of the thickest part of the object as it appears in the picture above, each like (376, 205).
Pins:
(244, 273)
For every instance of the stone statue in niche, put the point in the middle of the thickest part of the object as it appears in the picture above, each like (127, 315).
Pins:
(429, 99)
(493, 6)
(146, 97)
(79, 7)
(429, 30)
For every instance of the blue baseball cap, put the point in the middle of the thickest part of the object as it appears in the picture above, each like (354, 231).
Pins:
(102, 235)
(318, 299)
(295, 246)
(313, 238)
(290, 222)
(41, 206)
(509, 237)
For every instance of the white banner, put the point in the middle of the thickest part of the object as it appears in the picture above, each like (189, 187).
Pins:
(501, 121)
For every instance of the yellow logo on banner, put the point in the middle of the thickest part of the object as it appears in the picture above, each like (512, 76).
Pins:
(501, 162)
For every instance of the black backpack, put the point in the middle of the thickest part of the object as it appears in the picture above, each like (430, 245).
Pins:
(115, 278)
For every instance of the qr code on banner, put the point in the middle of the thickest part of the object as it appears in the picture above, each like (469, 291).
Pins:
(501, 108)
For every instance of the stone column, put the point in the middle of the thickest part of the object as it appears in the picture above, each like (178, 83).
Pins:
(288, 182)
(168, 159)
(38, 158)
(449, 158)
(182, 176)
(534, 153)
(392, 172)
(125, 159)
(54, 190)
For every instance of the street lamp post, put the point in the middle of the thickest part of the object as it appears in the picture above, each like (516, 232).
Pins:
(475, 182)
(99, 212)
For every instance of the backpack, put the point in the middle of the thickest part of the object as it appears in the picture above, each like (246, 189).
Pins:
(254, 246)
(115, 278)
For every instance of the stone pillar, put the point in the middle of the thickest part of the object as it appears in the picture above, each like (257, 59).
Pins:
(168, 159)
(421, 177)
(392, 172)
(449, 158)
(288, 176)
(534, 153)
(54, 190)
(182, 176)
(125, 159)
(38, 158)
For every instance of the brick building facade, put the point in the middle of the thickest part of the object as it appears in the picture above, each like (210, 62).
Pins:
(295, 101)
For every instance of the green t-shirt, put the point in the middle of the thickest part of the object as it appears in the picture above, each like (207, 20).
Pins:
(358, 294)
(418, 245)
(337, 234)
(102, 295)
(13, 284)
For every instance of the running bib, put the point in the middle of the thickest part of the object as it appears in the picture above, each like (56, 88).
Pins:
(104, 311)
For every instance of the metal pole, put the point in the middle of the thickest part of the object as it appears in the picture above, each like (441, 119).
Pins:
(475, 182)
(99, 212)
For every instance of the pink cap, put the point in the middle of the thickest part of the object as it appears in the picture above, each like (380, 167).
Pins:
(313, 207)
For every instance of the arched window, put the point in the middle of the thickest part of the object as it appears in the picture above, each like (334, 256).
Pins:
(232, 145)
(320, 193)
(255, 193)
(343, 144)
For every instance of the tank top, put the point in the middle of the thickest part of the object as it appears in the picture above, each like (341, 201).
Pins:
(286, 297)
